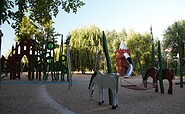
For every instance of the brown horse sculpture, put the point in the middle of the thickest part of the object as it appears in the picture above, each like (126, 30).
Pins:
(154, 74)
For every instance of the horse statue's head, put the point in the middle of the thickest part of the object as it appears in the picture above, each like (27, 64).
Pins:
(151, 72)
(91, 83)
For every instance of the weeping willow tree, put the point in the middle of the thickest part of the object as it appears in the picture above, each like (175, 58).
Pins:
(84, 46)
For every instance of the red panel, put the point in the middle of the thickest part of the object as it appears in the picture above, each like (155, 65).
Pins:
(122, 62)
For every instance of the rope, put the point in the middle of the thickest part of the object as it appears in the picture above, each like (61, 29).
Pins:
(125, 81)
(140, 86)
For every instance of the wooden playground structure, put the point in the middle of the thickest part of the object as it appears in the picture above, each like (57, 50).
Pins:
(40, 60)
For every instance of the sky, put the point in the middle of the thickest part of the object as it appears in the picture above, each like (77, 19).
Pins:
(137, 15)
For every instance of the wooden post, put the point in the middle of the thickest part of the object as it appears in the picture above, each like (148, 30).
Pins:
(160, 69)
(105, 49)
(153, 56)
(60, 58)
(180, 57)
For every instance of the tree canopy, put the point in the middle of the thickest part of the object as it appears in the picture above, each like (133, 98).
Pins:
(170, 42)
(40, 11)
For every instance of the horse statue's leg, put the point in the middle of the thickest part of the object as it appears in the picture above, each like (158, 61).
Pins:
(156, 83)
(101, 96)
(170, 86)
(169, 74)
(115, 99)
(156, 87)
(170, 90)
(155, 78)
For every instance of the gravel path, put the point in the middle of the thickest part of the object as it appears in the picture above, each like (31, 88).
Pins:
(130, 101)
(34, 97)
(23, 99)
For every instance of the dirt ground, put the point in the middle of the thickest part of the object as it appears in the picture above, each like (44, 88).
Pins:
(46, 97)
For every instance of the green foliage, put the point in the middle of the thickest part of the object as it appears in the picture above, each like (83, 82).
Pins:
(170, 41)
(84, 45)
(141, 44)
(26, 29)
(6, 13)
(137, 43)
(69, 5)
(40, 11)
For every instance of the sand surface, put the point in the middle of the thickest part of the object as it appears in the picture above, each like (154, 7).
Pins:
(54, 97)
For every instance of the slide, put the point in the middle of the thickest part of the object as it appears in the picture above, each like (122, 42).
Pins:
(131, 66)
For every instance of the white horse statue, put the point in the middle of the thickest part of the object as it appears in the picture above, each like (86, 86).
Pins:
(105, 81)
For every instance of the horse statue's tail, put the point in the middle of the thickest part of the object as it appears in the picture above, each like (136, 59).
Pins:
(131, 65)
(91, 84)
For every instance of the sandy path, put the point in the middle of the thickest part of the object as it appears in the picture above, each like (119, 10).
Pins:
(34, 97)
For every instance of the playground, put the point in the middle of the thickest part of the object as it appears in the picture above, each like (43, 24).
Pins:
(24, 96)
(86, 72)
(74, 93)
